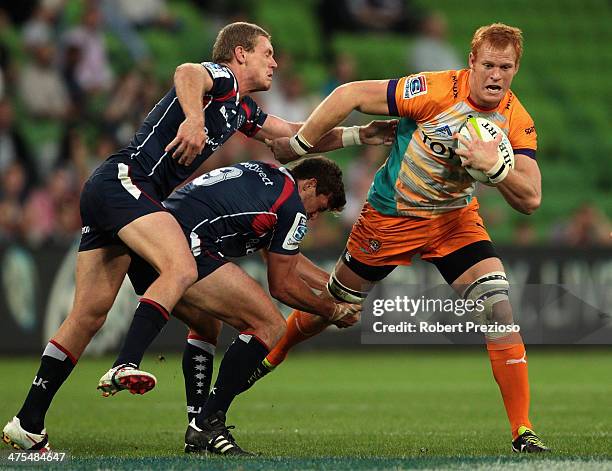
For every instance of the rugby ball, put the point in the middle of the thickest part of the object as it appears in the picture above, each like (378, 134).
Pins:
(487, 131)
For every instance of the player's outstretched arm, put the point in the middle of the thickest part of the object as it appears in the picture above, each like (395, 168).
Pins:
(375, 133)
(313, 275)
(368, 96)
(191, 82)
(286, 285)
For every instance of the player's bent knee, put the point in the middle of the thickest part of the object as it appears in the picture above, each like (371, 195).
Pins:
(489, 293)
(189, 277)
(187, 272)
(181, 275)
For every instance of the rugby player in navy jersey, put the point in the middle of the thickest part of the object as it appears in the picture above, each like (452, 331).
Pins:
(121, 206)
(232, 212)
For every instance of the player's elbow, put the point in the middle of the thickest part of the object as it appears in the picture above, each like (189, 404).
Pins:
(347, 94)
(534, 204)
(530, 205)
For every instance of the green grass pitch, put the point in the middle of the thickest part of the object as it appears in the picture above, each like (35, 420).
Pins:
(372, 409)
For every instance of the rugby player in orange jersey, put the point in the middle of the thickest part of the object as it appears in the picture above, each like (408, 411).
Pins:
(421, 199)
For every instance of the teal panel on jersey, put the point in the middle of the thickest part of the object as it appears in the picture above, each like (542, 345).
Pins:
(382, 191)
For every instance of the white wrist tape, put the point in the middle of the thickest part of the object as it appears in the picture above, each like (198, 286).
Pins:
(350, 136)
(498, 172)
(300, 145)
(342, 310)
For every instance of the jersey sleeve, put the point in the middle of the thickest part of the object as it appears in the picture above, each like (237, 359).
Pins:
(255, 117)
(290, 229)
(420, 96)
(223, 80)
(522, 132)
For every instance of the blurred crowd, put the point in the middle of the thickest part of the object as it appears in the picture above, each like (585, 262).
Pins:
(65, 106)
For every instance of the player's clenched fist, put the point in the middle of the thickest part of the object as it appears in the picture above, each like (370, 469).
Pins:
(282, 149)
(189, 141)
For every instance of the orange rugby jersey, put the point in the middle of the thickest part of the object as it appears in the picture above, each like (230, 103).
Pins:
(423, 176)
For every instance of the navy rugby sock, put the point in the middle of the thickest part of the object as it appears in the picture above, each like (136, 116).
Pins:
(239, 363)
(56, 365)
(198, 359)
(149, 319)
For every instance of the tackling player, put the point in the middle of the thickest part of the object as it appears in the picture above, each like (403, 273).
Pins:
(121, 204)
(421, 199)
(232, 212)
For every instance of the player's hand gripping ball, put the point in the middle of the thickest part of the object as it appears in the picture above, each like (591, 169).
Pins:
(487, 131)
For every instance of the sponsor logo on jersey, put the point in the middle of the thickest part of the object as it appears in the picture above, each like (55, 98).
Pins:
(85, 230)
(296, 233)
(444, 131)
(438, 148)
(216, 70)
(260, 171)
(415, 86)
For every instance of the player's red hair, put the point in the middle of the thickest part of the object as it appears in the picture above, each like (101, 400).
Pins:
(499, 35)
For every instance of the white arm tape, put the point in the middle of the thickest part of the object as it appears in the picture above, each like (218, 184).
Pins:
(350, 136)
(299, 145)
(498, 172)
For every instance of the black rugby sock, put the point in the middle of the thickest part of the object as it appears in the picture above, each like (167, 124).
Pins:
(198, 359)
(149, 319)
(56, 365)
(240, 361)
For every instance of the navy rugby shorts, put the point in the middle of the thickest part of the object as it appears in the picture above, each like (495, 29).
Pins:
(142, 275)
(117, 193)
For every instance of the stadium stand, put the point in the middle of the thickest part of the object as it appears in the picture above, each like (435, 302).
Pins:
(563, 82)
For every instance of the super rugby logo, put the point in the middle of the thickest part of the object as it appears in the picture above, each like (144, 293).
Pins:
(415, 86)
(296, 233)
(216, 71)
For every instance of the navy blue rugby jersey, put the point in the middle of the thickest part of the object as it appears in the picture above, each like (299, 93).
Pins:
(224, 114)
(240, 209)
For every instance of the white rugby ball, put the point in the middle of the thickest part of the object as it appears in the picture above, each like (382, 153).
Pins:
(487, 131)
